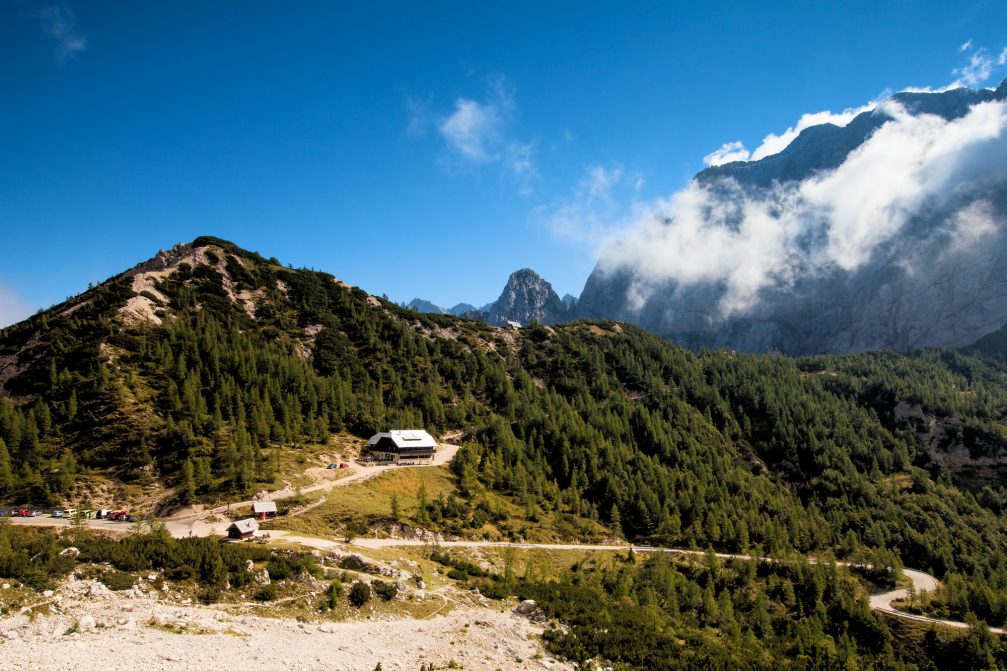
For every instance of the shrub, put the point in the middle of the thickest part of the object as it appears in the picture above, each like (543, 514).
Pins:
(332, 597)
(281, 567)
(386, 590)
(267, 593)
(210, 595)
(360, 594)
(118, 580)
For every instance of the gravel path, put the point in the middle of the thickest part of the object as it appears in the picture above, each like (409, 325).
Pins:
(922, 582)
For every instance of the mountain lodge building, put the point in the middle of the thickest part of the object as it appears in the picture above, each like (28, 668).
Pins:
(402, 447)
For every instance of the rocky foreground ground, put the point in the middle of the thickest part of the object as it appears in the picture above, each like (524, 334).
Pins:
(87, 626)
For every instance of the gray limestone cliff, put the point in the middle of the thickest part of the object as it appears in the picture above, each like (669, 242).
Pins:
(525, 299)
(919, 288)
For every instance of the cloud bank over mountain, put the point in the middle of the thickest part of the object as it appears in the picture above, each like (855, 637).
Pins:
(883, 198)
(747, 241)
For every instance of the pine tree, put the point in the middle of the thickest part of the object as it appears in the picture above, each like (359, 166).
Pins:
(6, 475)
(396, 512)
(188, 490)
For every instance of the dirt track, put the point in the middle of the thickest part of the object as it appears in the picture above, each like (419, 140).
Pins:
(194, 523)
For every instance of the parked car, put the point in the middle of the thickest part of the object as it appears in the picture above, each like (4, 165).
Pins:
(331, 466)
(33, 513)
(57, 513)
(344, 465)
(70, 512)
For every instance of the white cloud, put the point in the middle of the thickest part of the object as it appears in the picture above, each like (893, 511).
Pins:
(728, 152)
(745, 242)
(774, 144)
(965, 46)
(478, 132)
(471, 129)
(1002, 58)
(972, 226)
(978, 70)
(59, 23)
(597, 211)
(932, 89)
(13, 307)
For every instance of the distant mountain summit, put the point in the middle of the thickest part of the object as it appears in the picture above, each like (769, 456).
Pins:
(527, 298)
(889, 232)
(425, 306)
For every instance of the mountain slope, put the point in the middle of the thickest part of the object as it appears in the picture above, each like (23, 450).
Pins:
(224, 362)
(886, 233)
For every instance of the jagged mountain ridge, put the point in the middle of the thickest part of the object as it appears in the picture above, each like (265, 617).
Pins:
(526, 298)
(917, 289)
(429, 307)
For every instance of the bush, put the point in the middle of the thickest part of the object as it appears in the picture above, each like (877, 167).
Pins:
(360, 594)
(118, 580)
(210, 595)
(332, 597)
(281, 567)
(385, 590)
(267, 593)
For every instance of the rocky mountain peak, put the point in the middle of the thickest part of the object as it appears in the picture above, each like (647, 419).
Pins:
(527, 298)
(931, 276)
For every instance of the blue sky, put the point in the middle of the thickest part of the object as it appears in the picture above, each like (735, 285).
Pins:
(413, 149)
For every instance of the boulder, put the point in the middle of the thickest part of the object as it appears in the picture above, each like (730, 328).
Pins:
(526, 607)
(86, 623)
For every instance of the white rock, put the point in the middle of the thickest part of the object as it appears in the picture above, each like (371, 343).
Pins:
(328, 628)
(11, 635)
(526, 607)
(86, 623)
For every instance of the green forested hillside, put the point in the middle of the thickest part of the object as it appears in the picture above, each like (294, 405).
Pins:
(598, 421)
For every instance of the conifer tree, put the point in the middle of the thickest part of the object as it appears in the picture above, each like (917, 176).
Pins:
(6, 475)
(188, 489)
